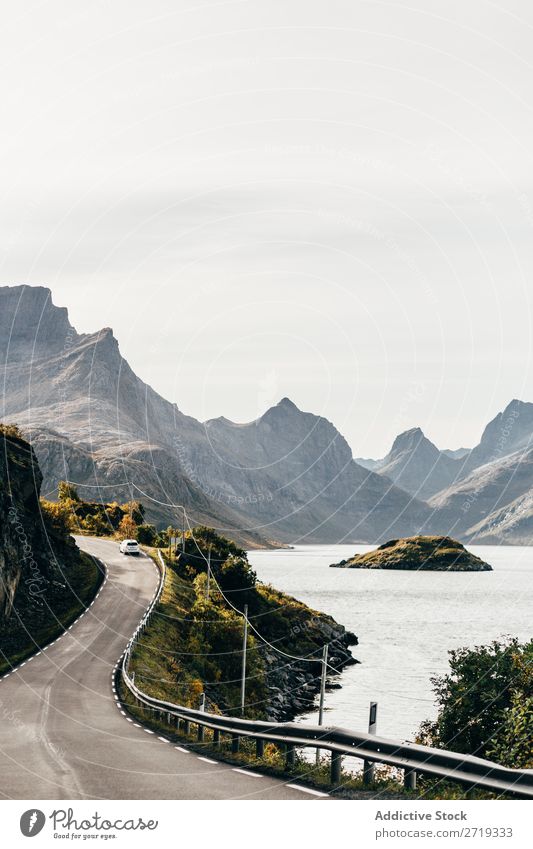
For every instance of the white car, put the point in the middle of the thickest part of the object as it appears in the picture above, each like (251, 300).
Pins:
(129, 546)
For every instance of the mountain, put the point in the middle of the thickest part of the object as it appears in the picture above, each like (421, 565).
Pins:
(416, 465)
(508, 432)
(89, 417)
(287, 476)
(295, 469)
(478, 506)
(511, 524)
(490, 499)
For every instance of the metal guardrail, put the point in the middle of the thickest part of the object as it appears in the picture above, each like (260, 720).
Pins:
(467, 770)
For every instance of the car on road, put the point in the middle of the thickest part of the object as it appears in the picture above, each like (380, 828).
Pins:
(129, 546)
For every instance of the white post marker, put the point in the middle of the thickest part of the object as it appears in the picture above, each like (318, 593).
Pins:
(368, 766)
(322, 693)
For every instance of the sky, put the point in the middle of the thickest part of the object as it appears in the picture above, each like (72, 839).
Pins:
(327, 201)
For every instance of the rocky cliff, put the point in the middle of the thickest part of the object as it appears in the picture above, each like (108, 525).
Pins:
(33, 555)
(45, 580)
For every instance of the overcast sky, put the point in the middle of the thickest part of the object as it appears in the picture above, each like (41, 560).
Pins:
(329, 201)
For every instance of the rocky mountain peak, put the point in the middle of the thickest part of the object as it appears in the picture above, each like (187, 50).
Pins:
(509, 431)
(410, 440)
(287, 404)
(417, 465)
(31, 324)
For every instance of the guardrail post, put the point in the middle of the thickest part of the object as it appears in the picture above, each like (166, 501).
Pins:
(201, 733)
(186, 727)
(259, 747)
(235, 743)
(216, 737)
(336, 764)
(290, 757)
(409, 779)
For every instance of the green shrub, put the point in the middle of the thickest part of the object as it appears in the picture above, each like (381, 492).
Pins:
(147, 535)
(486, 703)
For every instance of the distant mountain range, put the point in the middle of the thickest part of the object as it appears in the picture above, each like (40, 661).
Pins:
(289, 476)
(481, 494)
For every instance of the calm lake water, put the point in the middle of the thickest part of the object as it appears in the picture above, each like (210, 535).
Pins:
(405, 622)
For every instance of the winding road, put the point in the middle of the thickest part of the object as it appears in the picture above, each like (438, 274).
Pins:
(63, 734)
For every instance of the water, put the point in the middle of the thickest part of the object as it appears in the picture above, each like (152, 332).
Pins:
(405, 621)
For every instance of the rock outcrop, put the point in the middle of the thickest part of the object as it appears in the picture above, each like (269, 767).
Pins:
(427, 553)
(293, 686)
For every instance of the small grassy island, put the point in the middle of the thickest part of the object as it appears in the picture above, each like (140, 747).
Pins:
(427, 553)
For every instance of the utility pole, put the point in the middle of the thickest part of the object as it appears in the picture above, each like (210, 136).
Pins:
(322, 693)
(183, 532)
(244, 645)
(208, 572)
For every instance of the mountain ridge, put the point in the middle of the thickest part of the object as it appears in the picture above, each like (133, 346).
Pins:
(289, 475)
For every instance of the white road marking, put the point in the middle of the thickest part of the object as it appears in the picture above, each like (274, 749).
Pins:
(307, 790)
(247, 772)
(163, 739)
(207, 760)
(147, 730)
(181, 749)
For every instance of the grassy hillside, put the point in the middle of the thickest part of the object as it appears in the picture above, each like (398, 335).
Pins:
(194, 644)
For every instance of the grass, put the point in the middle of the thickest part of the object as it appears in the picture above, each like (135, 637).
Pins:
(30, 629)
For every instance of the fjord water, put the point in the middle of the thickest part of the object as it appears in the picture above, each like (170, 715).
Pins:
(405, 621)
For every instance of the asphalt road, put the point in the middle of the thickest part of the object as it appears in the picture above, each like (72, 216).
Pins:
(62, 733)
